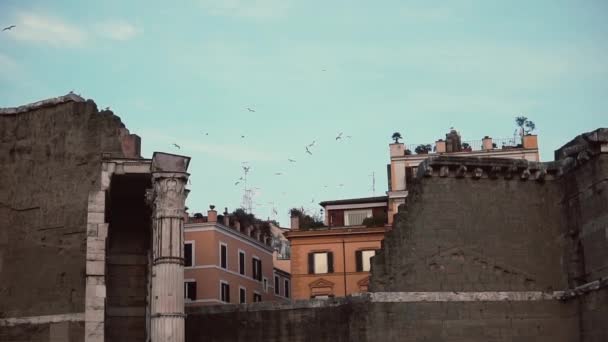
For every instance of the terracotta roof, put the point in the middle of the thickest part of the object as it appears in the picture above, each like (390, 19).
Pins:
(356, 200)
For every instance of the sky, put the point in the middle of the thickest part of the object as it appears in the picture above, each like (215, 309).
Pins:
(185, 72)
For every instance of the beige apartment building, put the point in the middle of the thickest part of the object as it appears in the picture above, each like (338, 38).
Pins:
(404, 161)
(228, 264)
(334, 260)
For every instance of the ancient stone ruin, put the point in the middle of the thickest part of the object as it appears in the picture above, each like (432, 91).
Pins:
(483, 249)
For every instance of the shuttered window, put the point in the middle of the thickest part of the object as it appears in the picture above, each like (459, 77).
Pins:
(319, 263)
(225, 292)
(190, 290)
(188, 260)
(363, 259)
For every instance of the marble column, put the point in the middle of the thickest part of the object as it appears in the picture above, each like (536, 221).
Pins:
(168, 197)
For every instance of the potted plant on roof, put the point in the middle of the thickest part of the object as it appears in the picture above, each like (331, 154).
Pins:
(423, 149)
(466, 147)
(396, 136)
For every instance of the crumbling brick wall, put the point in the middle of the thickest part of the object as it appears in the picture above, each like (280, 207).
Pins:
(467, 233)
(50, 159)
(585, 211)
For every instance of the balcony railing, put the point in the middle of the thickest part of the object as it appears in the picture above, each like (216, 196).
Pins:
(475, 145)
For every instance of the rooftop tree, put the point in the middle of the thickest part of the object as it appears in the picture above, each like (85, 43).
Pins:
(396, 136)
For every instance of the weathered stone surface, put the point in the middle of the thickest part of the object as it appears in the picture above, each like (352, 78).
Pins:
(50, 161)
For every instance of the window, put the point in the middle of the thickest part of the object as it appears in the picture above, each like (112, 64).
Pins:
(242, 295)
(257, 269)
(257, 297)
(276, 285)
(364, 260)
(190, 289)
(242, 262)
(224, 292)
(265, 285)
(286, 288)
(188, 254)
(356, 217)
(319, 263)
(223, 255)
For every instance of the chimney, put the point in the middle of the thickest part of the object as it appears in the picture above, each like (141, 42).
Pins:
(226, 217)
(295, 223)
(440, 146)
(486, 142)
(237, 225)
(211, 214)
(397, 149)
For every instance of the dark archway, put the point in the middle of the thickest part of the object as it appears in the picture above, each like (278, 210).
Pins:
(127, 256)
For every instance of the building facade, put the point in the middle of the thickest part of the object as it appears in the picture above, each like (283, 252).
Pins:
(404, 162)
(281, 259)
(227, 264)
(334, 260)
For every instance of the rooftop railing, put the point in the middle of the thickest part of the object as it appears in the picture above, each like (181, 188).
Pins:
(473, 145)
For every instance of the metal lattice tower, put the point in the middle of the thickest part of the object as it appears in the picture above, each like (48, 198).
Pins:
(247, 200)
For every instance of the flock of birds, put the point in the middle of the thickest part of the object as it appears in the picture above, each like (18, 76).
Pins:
(308, 148)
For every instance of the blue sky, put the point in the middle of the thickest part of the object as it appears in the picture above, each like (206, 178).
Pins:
(174, 71)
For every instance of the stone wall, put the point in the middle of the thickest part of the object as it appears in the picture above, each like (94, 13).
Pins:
(50, 160)
(385, 317)
(585, 211)
(462, 231)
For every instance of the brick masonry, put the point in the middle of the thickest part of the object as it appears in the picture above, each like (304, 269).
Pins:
(50, 162)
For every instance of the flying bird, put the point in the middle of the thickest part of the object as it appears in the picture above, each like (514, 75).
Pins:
(278, 173)
(348, 136)
(308, 151)
(312, 143)
(291, 160)
(206, 133)
(312, 201)
(339, 136)
(250, 110)
(176, 145)
(340, 184)
(242, 136)
(8, 28)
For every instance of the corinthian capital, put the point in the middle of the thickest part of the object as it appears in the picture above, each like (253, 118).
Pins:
(169, 197)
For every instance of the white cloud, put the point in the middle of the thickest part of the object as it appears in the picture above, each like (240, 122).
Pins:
(42, 28)
(118, 30)
(256, 9)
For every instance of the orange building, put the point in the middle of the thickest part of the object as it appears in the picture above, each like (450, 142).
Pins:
(334, 260)
(404, 161)
(226, 264)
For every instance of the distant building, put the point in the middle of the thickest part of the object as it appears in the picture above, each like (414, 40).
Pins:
(334, 260)
(227, 264)
(404, 160)
(281, 261)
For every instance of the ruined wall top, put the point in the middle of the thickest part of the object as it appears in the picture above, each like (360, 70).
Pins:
(70, 97)
(589, 143)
